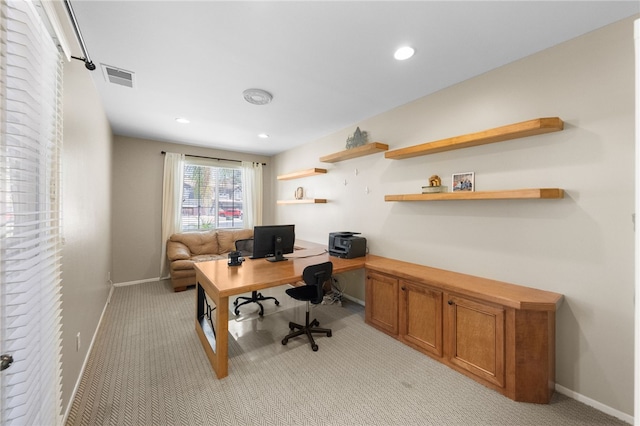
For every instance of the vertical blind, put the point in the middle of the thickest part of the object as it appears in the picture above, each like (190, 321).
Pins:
(30, 222)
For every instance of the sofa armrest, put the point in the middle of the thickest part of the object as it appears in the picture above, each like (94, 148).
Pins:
(177, 251)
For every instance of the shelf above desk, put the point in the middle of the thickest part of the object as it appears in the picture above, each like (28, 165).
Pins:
(510, 194)
(360, 151)
(533, 127)
(304, 201)
(302, 173)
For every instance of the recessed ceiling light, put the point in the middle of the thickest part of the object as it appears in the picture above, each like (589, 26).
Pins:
(182, 120)
(263, 136)
(257, 96)
(404, 52)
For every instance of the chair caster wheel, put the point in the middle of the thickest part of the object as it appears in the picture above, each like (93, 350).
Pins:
(329, 334)
(315, 348)
(285, 341)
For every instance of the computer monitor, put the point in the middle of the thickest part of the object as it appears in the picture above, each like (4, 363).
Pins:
(273, 241)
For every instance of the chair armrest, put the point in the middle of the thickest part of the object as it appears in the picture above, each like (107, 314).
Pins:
(177, 251)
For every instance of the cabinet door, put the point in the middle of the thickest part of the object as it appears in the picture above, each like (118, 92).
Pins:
(475, 334)
(381, 302)
(421, 317)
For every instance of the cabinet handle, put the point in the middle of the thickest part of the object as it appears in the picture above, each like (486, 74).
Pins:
(450, 302)
(402, 288)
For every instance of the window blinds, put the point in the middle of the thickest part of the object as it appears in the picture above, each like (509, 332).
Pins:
(30, 223)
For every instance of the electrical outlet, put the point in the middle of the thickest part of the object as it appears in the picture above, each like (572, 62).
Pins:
(109, 276)
(78, 341)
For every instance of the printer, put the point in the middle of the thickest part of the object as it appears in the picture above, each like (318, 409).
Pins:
(347, 245)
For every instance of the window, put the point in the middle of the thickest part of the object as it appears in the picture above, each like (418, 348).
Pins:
(30, 224)
(212, 197)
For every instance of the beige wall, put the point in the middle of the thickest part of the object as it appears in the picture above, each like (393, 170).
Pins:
(86, 213)
(137, 187)
(581, 246)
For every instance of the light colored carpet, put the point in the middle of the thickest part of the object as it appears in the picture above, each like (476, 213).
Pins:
(147, 367)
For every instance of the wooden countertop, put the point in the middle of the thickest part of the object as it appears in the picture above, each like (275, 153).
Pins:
(501, 293)
(257, 274)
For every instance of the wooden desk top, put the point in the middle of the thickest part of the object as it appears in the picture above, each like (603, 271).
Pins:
(502, 293)
(257, 274)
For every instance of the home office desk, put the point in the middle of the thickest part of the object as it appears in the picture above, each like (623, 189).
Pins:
(500, 334)
(218, 281)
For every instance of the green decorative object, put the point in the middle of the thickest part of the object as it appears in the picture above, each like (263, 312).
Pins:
(359, 138)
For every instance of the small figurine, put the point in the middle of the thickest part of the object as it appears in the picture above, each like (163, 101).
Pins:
(434, 185)
(359, 138)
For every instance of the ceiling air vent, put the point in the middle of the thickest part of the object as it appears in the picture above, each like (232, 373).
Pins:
(118, 76)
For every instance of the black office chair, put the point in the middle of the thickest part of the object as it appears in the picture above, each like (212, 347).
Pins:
(314, 277)
(245, 247)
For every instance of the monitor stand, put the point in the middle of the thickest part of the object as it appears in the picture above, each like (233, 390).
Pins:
(277, 248)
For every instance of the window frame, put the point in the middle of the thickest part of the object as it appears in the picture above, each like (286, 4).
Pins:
(212, 217)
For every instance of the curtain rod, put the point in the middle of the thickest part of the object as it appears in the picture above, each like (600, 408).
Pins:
(211, 158)
(76, 28)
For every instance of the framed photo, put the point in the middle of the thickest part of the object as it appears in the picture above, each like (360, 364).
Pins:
(463, 182)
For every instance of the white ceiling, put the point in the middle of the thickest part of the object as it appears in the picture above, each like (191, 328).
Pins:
(328, 65)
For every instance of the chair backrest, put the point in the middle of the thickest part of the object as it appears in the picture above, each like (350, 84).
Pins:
(245, 246)
(317, 275)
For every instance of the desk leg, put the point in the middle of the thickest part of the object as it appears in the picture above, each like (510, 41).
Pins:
(215, 343)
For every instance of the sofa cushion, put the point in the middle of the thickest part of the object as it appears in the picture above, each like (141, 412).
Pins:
(180, 265)
(198, 242)
(227, 238)
(178, 251)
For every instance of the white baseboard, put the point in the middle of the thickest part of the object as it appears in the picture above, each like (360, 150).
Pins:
(561, 389)
(86, 358)
(353, 299)
(148, 280)
(595, 404)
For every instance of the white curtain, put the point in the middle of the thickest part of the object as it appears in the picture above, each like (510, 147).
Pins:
(252, 193)
(30, 222)
(171, 203)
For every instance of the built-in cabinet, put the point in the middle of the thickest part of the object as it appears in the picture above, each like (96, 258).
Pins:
(499, 334)
(420, 316)
(475, 338)
(381, 300)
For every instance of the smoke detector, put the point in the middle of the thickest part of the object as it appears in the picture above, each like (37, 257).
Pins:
(118, 76)
(257, 96)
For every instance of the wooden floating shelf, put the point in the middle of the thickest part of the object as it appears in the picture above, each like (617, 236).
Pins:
(537, 126)
(304, 201)
(510, 194)
(359, 151)
(302, 173)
